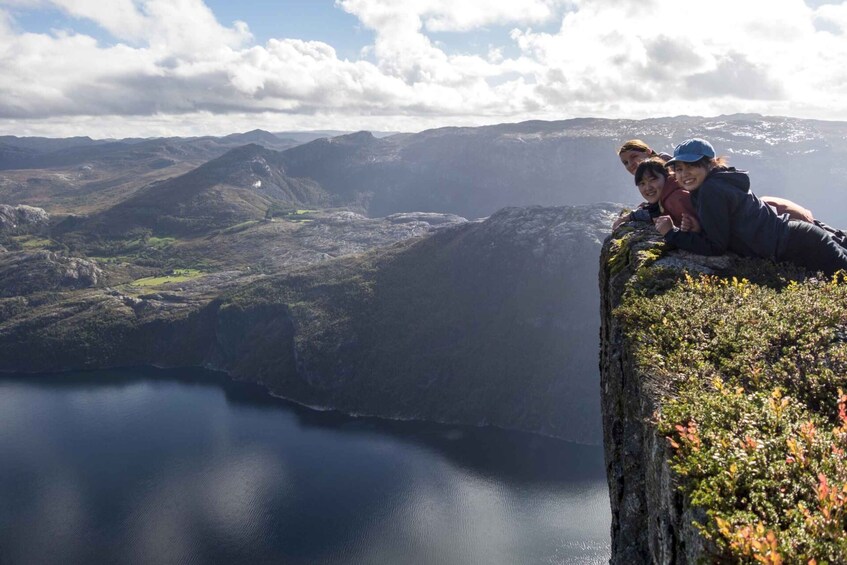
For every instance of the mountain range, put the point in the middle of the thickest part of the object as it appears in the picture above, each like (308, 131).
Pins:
(349, 261)
(471, 172)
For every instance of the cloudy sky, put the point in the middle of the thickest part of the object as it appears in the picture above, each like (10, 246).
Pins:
(116, 68)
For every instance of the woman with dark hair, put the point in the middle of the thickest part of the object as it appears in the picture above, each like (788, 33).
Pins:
(734, 219)
(661, 193)
(631, 154)
(634, 152)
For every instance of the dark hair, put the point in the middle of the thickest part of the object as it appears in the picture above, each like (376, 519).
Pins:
(636, 145)
(654, 165)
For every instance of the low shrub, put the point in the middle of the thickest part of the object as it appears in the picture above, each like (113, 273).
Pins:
(755, 407)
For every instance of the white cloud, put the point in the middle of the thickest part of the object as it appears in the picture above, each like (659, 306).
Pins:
(833, 14)
(449, 15)
(172, 59)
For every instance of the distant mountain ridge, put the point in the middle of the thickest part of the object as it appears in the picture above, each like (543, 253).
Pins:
(240, 185)
(468, 171)
(475, 171)
(38, 152)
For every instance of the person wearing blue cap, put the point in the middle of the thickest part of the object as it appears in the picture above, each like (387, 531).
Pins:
(734, 219)
(634, 152)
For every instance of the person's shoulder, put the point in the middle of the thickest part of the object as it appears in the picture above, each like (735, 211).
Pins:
(728, 178)
(679, 195)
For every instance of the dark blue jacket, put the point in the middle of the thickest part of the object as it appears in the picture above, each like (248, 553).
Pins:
(732, 219)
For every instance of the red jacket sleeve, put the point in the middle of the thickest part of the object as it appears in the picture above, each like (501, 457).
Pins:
(677, 204)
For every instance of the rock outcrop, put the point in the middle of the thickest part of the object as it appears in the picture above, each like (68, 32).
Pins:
(22, 219)
(23, 273)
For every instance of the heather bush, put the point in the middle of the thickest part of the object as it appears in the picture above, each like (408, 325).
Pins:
(754, 408)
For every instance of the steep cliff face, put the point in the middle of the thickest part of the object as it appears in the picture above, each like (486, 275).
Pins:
(491, 322)
(724, 416)
(651, 520)
(485, 323)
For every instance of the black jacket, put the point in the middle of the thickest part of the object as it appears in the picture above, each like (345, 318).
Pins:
(732, 219)
(645, 212)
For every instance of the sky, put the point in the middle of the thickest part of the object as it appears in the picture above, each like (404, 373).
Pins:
(121, 68)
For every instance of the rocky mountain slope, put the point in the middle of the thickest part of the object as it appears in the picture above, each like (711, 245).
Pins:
(488, 322)
(241, 185)
(80, 175)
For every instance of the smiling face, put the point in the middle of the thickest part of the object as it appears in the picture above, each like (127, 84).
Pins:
(651, 186)
(689, 175)
(631, 158)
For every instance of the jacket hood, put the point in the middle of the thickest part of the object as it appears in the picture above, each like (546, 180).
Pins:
(670, 187)
(732, 177)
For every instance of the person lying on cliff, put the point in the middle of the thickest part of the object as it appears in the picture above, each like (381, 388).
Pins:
(634, 152)
(734, 219)
(662, 195)
(797, 212)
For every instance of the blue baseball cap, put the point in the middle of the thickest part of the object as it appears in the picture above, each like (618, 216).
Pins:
(692, 150)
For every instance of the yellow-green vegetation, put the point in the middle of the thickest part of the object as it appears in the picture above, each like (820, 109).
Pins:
(141, 249)
(299, 216)
(240, 227)
(277, 210)
(175, 276)
(31, 242)
(160, 242)
(755, 410)
(646, 250)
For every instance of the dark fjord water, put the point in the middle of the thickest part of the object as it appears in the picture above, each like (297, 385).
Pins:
(149, 466)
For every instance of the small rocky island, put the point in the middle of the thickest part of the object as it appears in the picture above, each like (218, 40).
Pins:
(724, 413)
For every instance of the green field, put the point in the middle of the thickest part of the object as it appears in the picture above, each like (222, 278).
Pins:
(30, 242)
(176, 276)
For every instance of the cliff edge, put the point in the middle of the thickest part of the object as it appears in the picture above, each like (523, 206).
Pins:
(724, 415)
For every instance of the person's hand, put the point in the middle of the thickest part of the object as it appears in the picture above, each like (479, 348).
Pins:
(621, 219)
(663, 224)
(690, 223)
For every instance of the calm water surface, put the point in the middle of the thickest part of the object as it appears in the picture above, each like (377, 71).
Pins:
(147, 466)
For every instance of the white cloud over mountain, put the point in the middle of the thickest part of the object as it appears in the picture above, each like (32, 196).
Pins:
(172, 65)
